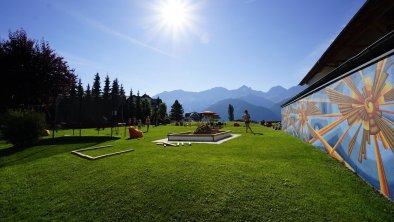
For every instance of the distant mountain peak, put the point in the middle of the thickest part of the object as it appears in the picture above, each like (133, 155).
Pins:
(219, 87)
(277, 90)
(277, 87)
(244, 87)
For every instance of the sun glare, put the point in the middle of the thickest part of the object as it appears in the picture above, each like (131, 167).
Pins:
(174, 14)
(174, 18)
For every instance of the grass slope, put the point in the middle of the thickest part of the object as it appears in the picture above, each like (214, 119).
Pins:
(253, 177)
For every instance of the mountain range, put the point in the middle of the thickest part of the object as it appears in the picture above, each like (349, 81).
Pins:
(261, 105)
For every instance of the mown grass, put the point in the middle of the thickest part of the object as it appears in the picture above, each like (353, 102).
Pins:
(267, 177)
(103, 151)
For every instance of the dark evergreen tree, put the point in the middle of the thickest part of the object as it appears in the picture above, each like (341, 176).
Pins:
(88, 92)
(73, 89)
(155, 111)
(130, 105)
(107, 88)
(123, 105)
(115, 100)
(162, 111)
(155, 115)
(70, 104)
(115, 88)
(122, 92)
(230, 112)
(96, 88)
(80, 91)
(158, 100)
(146, 108)
(176, 112)
(138, 109)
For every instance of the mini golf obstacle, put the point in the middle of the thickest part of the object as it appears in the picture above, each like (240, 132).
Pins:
(78, 152)
(166, 141)
(190, 136)
(173, 144)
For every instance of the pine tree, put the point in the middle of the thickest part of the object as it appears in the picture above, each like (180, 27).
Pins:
(158, 100)
(176, 112)
(73, 89)
(155, 111)
(138, 112)
(131, 105)
(107, 88)
(162, 111)
(80, 91)
(122, 92)
(96, 89)
(123, 106)
(115, 88)
(88, 92)
(146, 108)
(230, 112)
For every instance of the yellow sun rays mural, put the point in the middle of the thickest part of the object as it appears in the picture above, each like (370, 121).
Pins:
(352, 120)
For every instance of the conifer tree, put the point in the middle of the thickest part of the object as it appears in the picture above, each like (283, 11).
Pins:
(176, 112)
(96, 88)
(115, 88)
(73, 89)
(107, 88)
(131, 105)
(230, 112)
(88, 92)
(123, 105)
(138, 112)
(146, 108)
(162, 111)
(122, 92)
(80, 91)
(158, 100)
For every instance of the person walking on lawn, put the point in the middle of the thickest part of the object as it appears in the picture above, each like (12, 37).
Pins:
(246, 118)
(147, 123)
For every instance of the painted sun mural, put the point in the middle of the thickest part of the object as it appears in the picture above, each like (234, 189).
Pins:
(352, 120)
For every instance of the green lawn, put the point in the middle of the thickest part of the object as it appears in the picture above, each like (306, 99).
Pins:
(273, 176)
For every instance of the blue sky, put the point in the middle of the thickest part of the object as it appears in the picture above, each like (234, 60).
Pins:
(228, 43)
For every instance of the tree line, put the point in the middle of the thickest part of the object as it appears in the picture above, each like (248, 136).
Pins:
(107, 105)
(36, 78)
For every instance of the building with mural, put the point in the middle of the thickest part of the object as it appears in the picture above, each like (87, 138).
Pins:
(348, 108)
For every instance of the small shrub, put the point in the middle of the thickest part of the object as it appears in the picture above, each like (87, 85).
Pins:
(23, 128)
(203, 129)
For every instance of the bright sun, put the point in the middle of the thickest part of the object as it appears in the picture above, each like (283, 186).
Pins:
(174, 14)
(174, 18)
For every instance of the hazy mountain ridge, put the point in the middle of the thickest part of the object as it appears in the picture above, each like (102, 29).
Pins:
(257, 113)
(208, 99)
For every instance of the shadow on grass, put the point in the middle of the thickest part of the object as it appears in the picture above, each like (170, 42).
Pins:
(141, 138)
(49, 147)
(76, 139)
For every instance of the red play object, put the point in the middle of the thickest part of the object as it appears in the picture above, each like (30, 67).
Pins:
(135, 133)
